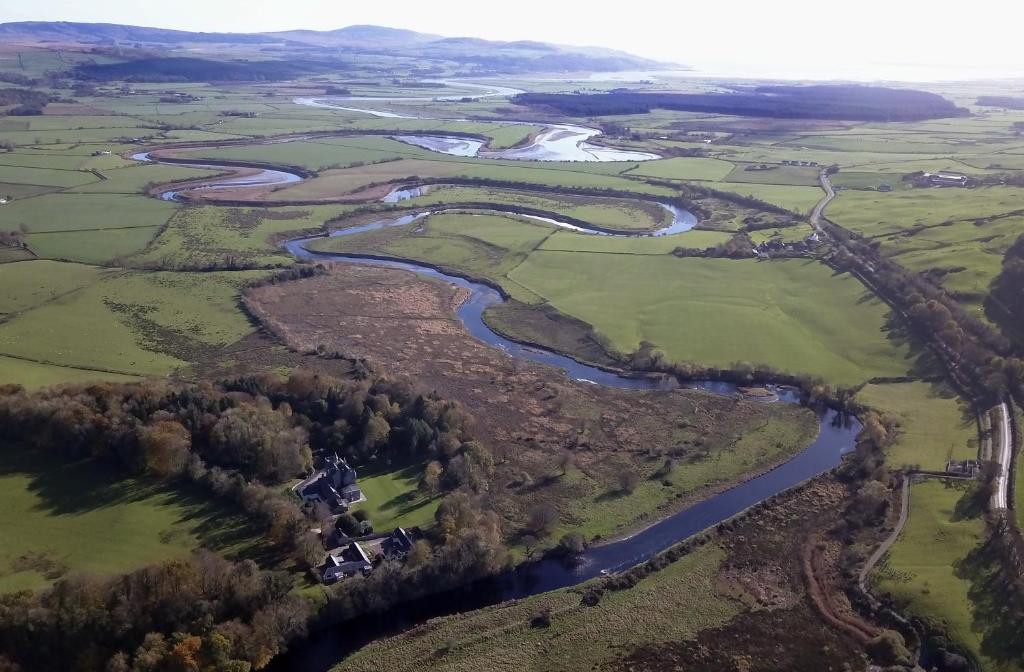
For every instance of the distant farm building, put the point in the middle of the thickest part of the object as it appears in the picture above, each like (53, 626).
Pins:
(967, 468)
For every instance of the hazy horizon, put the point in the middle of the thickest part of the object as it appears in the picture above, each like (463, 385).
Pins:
(789, 38)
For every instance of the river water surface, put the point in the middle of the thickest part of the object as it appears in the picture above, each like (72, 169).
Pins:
(836, 436)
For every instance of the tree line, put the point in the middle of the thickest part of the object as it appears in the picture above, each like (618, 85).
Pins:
(198, 613)
(864, 103)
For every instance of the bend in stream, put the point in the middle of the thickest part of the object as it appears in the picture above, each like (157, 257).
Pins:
(837, 433)
(556, 142)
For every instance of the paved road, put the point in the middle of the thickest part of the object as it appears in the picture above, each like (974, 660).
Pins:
(884, 547)
(1004, 457)
(830, 193)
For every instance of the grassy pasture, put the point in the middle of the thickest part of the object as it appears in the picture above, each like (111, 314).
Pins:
(791, 175)
(569, 241)
(671, 605)
(874, 213)
(29, 284)
(796, 315)
(212, 236)
(33, 375)
(934, 569)
(684, 168)
(58, 517)
(44, 177)
(621, 214)
(314, 154)
(796, 198)
(91, 246)
(934, 424)
(133, 323)
(78, 212)
(135, 178)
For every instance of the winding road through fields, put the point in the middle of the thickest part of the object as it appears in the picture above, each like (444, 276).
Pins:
(830, 193)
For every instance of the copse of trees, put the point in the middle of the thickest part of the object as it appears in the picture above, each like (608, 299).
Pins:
(239, 439)
(202, 612)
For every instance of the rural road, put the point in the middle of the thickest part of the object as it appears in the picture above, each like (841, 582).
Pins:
(884, 547)
(830, 193)
(1004, 457)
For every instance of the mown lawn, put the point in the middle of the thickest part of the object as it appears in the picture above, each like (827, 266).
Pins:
(59, 517)
(393, 499)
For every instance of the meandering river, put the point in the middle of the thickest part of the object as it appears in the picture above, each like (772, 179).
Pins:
(836, 436)
(556, 142)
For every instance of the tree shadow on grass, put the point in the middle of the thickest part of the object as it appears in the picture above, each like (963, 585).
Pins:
(221, 526)
(972, 503)
(69, 487)
(611, 495)
(404, 504)
(1002, 638)
(76, 487)
(922, 363)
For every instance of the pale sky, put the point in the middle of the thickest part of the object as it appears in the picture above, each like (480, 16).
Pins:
(856, 39)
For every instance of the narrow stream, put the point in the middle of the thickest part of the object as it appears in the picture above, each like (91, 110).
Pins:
(837, 433)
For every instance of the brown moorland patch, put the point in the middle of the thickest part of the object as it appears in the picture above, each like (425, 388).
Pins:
(531, 415)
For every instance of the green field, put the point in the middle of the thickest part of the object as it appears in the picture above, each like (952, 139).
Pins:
(610, 213)
(58, 518)
(796, 315)
(934, 570)
(874, 213)
(133, 323)
(33, 375)
(393, 500)
(134, 179)
(207, 236)
(684, 169)
(671, 605)
(78, 212)
(29, 284)
(933, 424)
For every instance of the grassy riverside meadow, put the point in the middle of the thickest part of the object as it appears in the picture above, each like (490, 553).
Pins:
(937, 570)
(696, 310)
(108, 282)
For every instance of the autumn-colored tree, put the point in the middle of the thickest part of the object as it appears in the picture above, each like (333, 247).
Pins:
(166, 446)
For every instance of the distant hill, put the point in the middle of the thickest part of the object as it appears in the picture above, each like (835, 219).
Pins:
(88, 33)
(471, 54)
